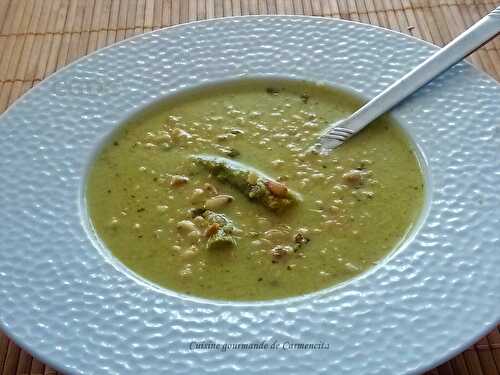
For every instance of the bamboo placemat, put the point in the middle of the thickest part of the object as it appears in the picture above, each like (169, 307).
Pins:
(38, 37)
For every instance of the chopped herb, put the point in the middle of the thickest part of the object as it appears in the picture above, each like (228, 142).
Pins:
(272, 91)
(304, 97)
(299, 240)
(197, 212)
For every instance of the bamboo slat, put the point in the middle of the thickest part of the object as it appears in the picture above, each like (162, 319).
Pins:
(37, 367)
(381, 12)
(351, 11)
(372, 14)
(42, 43)
(306, 6)
(24, 60)
(24, 363)
(420, 23)
(459, 365)
(8, 43)
(236, 5)
(227, 8)
(4, 102)
(149, 10)
(157, 14)
(33, 14)
(40, 37)
(175, 12)
(102, 36)
(209, 9)
(69, 26)
(445, 369)
(472, 361)
(75, 44)
(167, 13)
(360, 8)
(494, 342)
(60, 22)
(122, 21)
(485, 357)
(193, 10)
(94, 25)
(428, 18)
(184, 11)
(219, 8)
(4, 344)
(140, 17)
(413, 27)
(4, 9)
(11, 359)
(253, 7)
(130, 25)
(284, 7)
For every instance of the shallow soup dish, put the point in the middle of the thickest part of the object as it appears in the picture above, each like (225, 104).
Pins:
(161, 210)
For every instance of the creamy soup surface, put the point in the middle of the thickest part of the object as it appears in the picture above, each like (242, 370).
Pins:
(215, 193)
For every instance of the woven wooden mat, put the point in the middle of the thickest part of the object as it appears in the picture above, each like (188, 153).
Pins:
(39, 37)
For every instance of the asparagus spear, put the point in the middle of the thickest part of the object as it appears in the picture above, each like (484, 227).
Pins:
(254, 184)
(220, 230)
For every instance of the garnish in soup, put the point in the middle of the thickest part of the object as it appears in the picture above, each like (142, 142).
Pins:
(215, 193)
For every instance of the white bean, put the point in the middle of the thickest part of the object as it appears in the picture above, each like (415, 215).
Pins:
(218, 202)
(197, 195)
(186, 226)
(178, 180)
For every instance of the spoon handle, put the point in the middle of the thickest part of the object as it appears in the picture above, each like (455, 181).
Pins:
(473, 38)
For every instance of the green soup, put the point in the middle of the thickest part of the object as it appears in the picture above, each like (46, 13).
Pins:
(159, 209)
